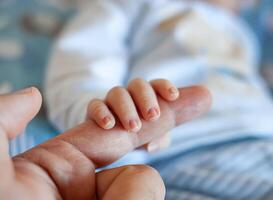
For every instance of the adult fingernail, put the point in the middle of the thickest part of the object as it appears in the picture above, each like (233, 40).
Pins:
(153, 113)
(134, 125)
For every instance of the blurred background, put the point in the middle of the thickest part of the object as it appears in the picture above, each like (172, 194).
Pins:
(28, 29)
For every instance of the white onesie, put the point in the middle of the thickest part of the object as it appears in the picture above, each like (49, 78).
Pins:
(110, 42)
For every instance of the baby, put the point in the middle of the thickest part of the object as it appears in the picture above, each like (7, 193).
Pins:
(114, 56)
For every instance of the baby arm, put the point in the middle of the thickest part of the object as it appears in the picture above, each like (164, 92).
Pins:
(87, 60)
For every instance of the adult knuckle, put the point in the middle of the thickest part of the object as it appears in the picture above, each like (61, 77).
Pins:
(142, 170)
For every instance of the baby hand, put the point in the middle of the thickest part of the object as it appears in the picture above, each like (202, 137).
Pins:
(130, 104)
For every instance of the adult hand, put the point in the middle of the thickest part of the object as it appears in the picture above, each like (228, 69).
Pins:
(64, 167)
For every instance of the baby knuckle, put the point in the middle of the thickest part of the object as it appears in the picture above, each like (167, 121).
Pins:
(93, 103)
(165, 82)
(136, 81)
(148, 99)
(116, 90)
(160, 80)
(96, 107)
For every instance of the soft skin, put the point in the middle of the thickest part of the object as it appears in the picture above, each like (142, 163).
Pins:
(130, 105)
(64, 167)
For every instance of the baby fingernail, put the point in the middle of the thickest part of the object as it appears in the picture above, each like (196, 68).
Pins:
(107, 121)
(173, 91)
(153, 113)
(133, 124)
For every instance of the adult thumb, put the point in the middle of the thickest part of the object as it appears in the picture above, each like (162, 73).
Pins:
(17, 109)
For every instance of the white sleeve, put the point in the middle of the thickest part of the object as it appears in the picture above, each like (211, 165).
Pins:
(87, 60)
